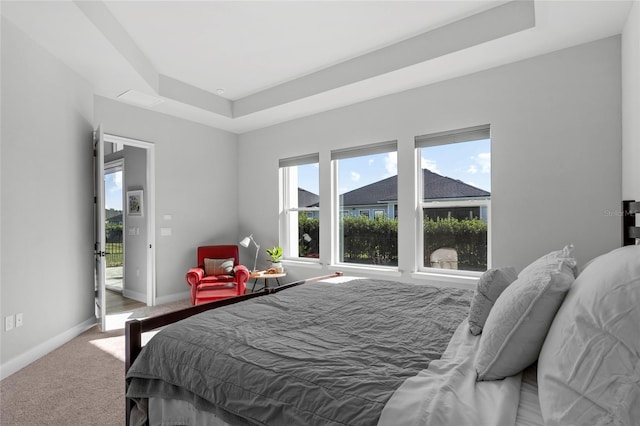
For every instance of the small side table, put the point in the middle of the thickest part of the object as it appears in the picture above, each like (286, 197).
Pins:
(266, 277)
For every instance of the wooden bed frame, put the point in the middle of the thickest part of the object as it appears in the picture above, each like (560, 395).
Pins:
(630, 232)
(135, 328)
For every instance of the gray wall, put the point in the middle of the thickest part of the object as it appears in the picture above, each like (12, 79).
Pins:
(135, 274)
(556, 152)
(631, 106)
(195, 184)
(47, 196)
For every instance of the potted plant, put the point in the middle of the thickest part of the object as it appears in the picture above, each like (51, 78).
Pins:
(276, 258)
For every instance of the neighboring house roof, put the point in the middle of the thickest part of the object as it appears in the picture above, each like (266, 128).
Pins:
(436, 187)
(307, 199)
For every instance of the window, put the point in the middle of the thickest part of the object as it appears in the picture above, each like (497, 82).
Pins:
(300, 212)
(366, 180)
(455, 199)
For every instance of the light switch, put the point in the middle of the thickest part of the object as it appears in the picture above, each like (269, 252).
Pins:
(165, 232)
(9, 322)
(132, 231)
(167, 217)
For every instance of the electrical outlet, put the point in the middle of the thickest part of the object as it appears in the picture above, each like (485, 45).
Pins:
(9, 322)
(19, 320)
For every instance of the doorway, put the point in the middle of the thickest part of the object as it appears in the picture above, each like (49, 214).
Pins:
(129, 278)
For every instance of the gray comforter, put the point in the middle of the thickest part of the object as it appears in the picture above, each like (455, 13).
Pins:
(316, 354)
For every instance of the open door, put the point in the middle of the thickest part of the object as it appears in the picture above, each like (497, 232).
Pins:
(99, 212)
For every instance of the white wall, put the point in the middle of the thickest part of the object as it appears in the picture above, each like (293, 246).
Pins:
(631, 105)
(47, 200)
(135, 274)
(556, 152)
(195, 184)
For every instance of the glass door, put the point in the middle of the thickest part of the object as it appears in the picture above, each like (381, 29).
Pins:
(99, 213)
(114, 225)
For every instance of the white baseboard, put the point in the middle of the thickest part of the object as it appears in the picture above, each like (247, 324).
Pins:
(37, 352)
(135, 295)
(173, 297)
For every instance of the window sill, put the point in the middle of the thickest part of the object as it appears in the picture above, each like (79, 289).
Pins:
(366, 270)
(435, 278)
(310, 264)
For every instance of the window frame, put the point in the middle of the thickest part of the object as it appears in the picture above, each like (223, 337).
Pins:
(437, 139)
(288, 220)
(337, 209)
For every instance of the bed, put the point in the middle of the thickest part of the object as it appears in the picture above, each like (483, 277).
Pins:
(555, 343)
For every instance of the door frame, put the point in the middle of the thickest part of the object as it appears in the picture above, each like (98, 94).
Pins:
(150, 208)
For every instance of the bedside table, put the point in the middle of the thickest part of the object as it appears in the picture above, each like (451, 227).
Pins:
(266, 278)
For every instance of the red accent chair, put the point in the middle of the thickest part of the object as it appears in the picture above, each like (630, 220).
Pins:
(227, 283)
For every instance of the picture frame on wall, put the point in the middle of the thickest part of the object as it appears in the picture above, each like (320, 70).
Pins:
(135, 205)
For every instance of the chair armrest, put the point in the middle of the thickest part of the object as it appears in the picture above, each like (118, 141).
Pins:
(242, 275)
(194, 276)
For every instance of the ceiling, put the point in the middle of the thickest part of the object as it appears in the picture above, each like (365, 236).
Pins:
(241, 66)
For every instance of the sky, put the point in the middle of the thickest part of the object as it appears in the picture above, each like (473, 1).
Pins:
(469, 162)
(113, 190)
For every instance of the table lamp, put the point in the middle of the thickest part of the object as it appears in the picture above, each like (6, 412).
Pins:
(245, 243)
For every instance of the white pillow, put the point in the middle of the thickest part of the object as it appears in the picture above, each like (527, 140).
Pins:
(490, 286)
(549, 261)
(519, 320)
(589, 366)
(218, 266)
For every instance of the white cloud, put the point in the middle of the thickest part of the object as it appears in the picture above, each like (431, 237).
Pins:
(484, 160)
(430, 164)
(355, 176)
(391, 163)
(117, 182)
(481, 163)
(371, 161)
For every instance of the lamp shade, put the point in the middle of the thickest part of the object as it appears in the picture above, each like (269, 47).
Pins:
(245, 243)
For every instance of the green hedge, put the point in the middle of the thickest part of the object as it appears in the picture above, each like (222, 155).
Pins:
(370, 241)
(311, 227)
(375, 241)
(468, 237)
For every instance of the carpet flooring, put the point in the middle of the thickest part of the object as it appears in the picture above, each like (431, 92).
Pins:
(80, 383)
